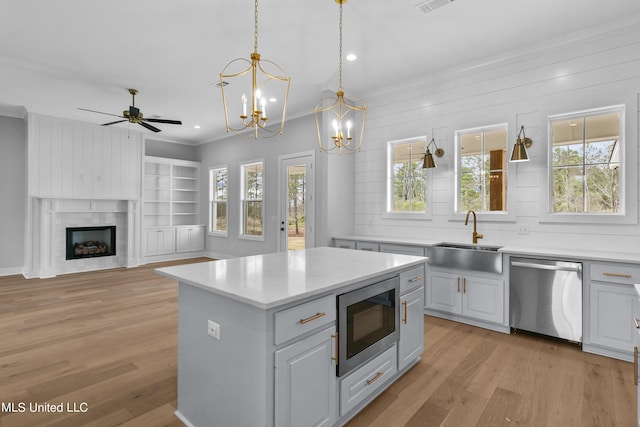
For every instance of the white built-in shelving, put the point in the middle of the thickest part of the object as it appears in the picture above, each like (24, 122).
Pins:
(170, 195)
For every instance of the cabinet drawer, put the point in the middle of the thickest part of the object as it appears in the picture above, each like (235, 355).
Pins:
(626, 275)
(411, 279)
(359, 385)
(345, 244)
(367, 246)
(303, 318)
(401, 249)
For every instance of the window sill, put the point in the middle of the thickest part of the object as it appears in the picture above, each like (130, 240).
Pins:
(218, 234)
(425, 216)
(250, 237)
(588, 218)
(502, 217)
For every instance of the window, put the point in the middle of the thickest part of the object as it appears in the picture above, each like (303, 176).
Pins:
(252, 204)
(218, 184)
(406, 185)
(481, 169)
(586, 166)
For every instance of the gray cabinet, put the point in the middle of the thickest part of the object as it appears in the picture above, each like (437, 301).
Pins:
(613, 306)
(411, 343)
(305, 382)
(468, 295)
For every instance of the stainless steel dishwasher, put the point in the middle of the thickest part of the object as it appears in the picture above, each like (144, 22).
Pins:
(545, 296)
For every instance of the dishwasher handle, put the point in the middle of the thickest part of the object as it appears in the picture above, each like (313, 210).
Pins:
(571, 267)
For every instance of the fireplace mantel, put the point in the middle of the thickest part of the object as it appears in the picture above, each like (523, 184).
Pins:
(46, 247)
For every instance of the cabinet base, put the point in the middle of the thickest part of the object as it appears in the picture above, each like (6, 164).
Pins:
(479, 323)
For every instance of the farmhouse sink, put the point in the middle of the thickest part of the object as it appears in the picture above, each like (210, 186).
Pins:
(466, 257)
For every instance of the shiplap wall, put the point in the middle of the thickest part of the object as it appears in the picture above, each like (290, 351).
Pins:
(580, 72)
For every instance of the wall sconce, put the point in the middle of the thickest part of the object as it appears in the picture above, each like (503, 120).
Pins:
(428, 161)
(519, 153)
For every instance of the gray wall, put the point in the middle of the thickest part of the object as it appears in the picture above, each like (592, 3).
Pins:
(170, 150)
(334, 186)
(13, 190)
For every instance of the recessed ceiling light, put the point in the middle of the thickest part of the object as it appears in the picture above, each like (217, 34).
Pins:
(273, 100)
(351, 57)
(197, 126)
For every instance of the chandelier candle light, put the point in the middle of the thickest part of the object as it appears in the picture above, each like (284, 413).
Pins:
(344, 115)
(267, 77)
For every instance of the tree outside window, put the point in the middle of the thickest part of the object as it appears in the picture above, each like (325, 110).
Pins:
(252, 203)
(218, 184)
(586, 166)
(407, 187)
(482, 169)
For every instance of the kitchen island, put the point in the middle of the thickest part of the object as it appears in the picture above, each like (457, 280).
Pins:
(257, 336)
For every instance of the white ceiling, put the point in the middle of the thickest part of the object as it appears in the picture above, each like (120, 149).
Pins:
(56, 56)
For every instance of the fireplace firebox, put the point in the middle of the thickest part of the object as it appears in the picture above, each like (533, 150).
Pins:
(91, 242)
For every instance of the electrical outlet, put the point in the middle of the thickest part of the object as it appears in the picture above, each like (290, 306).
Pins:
(523, 228)
(213, 329)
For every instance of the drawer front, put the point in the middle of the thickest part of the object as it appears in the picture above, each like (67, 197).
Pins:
(626, 275)
(367, 246)
(303, 318)
(411, 279)
(401, 249)
(357, 386)
(345, 244)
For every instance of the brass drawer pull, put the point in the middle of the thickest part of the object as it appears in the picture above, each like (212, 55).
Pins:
(404, 316)
(635, 322)
(625, 276)
(415, 279)
(376, 378)
(465, 285)
(635, 365)
(309, 319)
(335, 358)
(458, 284)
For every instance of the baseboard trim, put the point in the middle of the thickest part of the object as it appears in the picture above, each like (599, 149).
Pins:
(11, 271)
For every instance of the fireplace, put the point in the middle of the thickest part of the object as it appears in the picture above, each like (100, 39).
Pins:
(91, 242)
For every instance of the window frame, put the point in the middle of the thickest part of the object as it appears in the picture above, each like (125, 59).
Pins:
(244, 201)
(389, 213)
(627, 213)
(212, 200)
(508, 215)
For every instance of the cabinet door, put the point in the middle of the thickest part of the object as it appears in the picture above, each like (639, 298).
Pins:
(611, 312)
(168, 241)
(444, 292)
(182, 239)
(483, 298)
(196, 239)
(152, 240)
(411, 343)
(305, 382)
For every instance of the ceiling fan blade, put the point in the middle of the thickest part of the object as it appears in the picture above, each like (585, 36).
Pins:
(170, 122)
(100, 112)
(113, 123)
(148, 126)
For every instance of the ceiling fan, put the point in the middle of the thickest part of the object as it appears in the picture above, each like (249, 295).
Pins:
(133, 115)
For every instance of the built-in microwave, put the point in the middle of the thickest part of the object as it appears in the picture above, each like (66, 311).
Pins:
(368, 323)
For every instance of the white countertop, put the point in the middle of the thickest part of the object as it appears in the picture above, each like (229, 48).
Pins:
(270, 280)
(577, 254)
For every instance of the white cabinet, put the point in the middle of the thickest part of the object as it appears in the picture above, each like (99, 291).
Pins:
(367, 246)
(305, 382)
(469, 295)
(190, 238)
(159, 241)
(170, 196)
(69, 159)
(613, 305)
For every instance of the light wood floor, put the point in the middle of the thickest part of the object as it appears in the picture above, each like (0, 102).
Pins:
(109, 339)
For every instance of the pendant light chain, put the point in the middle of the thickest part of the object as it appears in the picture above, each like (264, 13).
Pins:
(255, 30)
(340, 68)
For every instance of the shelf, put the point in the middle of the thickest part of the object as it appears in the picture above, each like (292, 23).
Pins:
(171, 192)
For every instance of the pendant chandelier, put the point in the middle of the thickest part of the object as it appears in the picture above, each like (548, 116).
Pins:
(250, 88)
(346, 116)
